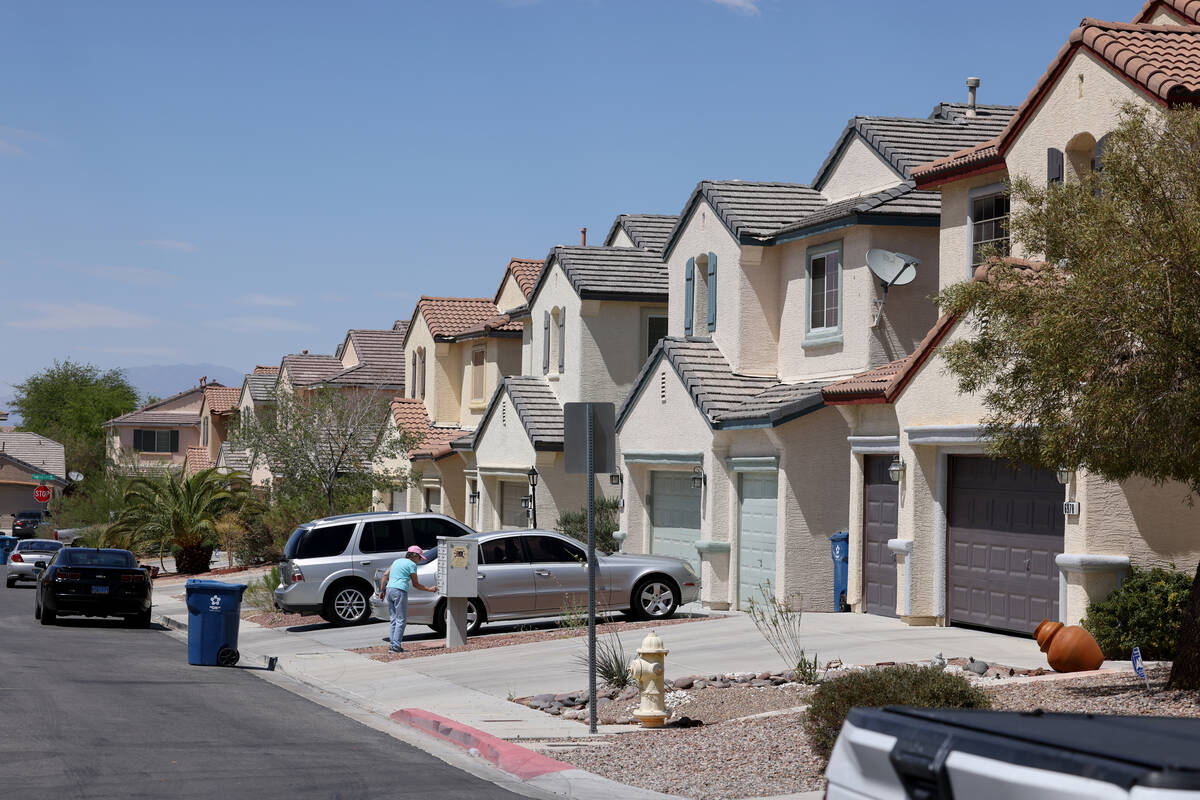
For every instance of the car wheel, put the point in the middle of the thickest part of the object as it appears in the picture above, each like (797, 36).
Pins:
(474, 618)
(654, 598)
(48, 617)
(347, 604)
(139, 620)
(37, 611)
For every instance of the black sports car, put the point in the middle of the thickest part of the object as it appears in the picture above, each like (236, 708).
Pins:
(94, 583)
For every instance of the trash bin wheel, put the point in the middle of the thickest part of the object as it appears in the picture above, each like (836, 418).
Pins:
(227, 657)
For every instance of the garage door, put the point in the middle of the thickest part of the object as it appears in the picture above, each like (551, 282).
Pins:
(512, 515)
(757, 504)
(1005, 529)
(879, 525)
(674, 516)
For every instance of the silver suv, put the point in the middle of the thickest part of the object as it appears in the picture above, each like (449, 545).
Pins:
(328, 564)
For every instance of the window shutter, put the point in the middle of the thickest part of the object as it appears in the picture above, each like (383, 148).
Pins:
(412, 376)
(562, 342)
(546, 342)
(424, 369)
(137, 439)
(1098, 154)
(174, 441)
(689, 280)
(1054, 165)
(712, 292)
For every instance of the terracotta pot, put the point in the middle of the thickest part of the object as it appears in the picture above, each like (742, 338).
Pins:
(1068, 648)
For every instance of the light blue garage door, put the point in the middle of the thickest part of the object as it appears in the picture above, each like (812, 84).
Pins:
(758, 494)
(674, 516)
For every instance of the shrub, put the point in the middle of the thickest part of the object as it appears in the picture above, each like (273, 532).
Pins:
(779, 623)
(1145, 611)
(906, 685)
(612, 665)
(260, 593)
(574, 524)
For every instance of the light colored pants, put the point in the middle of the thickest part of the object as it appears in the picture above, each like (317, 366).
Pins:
(397, 600)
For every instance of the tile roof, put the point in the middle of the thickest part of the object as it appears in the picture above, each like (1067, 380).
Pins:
(305, 369)
(234, 459)
(726, 399)
(447, 317)
(907, 142)
(434, 443)
(525, 272)
(262, 369)
(32, 448)
(1187, 10)
(401, 326)
(646, 231)
(499, 325)
(380, 360)
(158, 419)
(1026, 270)
(537, 408)
(262, 386)
(191, 418)
(1162, 60)
(755, 210)
(611, 273)
(196, 459)
(884, 383)
(902, 200)
(222, 399)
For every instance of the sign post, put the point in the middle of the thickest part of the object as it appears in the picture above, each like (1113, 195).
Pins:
(1140, 668)
(589, 446)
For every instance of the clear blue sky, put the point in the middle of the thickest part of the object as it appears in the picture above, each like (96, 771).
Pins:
(227, 182)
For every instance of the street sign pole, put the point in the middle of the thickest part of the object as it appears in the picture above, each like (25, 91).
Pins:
(591, 557)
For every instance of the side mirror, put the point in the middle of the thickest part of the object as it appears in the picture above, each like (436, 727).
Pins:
(39, 567)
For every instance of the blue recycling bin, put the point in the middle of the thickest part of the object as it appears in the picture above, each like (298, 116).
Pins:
(839, 545)
(214, 611)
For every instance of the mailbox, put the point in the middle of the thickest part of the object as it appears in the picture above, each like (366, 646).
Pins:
(458, 567)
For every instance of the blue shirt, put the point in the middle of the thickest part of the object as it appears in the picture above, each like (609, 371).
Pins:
(403, 569)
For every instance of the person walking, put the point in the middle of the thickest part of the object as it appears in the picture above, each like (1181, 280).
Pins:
(396, 580)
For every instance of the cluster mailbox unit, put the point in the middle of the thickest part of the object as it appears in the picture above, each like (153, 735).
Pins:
(457, 581)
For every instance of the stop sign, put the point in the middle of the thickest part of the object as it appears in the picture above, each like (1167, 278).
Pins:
(42, 494)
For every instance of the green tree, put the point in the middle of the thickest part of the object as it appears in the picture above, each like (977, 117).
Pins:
(328, 443)
(1094, 362)
(574, 524)
(68, 402)
(180, 513)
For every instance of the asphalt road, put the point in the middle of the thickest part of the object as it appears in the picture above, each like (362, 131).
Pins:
(91, 709)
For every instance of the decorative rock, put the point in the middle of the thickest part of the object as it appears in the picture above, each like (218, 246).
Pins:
(938, 661)
(723, 684)
(682, 683)
(778, 680)
(789, 676)
(545, 699)
(978, 667)
(601, 702)
(760, 682)
(628, 693)
(566, 698)
(573, 715)
(763, 676)
(699, 684)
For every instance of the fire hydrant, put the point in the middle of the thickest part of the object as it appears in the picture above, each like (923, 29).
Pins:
(647, 670)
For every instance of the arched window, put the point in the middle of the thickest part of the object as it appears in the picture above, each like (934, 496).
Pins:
(1080, 152)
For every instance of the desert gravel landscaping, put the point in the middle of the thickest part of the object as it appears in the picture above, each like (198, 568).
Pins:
(745, 750)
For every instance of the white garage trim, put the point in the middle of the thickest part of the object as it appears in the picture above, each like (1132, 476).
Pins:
(753, 464)
(904, 547)
(874, 445)
(945, 435)
(681, 459)
(1083, 562)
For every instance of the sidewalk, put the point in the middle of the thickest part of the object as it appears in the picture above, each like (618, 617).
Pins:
(472, 688)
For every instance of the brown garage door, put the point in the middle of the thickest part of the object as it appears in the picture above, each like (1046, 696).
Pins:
(1005, 528)
(879, 525)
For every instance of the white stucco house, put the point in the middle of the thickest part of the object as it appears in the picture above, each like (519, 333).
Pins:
(729, 457)
(963, 538)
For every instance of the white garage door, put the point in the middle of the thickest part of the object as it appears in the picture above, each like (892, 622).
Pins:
(757, 504)
(674, 516)
(512, 515)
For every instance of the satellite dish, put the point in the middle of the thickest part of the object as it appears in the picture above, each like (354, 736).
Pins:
(75, 476)
(894, 269)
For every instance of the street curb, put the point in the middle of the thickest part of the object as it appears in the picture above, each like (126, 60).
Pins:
(172, 623)
(518, 761)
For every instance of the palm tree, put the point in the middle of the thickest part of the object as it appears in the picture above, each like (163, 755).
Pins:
(180, 512)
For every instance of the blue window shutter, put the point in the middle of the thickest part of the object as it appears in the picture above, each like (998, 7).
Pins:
(546, 343)
(424, 366)
(712, 292)
(689, 279)
(1098, 154)
(175, 441)
(562, 342)
(1054, 165)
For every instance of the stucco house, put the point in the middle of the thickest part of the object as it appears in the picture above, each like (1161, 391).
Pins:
(23, 455)
(157, 437)
(592, 317)
(729, 458)
(257, 390)
(961, 537)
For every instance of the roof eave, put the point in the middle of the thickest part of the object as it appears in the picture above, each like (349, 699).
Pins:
(857, 218)
(962, 173)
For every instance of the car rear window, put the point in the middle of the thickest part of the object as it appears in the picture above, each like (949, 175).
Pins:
(330, 540)
(38, 546)
(92, 558)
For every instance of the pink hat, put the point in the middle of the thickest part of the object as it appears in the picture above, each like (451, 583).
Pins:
(417, 550)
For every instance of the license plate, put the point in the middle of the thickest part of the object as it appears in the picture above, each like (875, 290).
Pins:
(99, 590)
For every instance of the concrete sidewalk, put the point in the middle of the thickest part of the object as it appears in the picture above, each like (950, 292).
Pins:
(472, 688)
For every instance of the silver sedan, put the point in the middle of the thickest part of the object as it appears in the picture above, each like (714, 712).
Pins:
(534, 573)
(28, 553)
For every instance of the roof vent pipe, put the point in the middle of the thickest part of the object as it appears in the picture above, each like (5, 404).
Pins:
(972, 85)
(583, 237)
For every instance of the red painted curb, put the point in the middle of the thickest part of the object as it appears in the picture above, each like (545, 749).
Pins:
(512, 758)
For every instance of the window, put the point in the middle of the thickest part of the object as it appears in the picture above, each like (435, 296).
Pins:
(325, 542)
(385, 536)
(426, 530)
(989, 226)
(478, 374)
(506, 550)
(551, 548)
(204, 432)
(824, 288)
(656, 329)
(156, 441)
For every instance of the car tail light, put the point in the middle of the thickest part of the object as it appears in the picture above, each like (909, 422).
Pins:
(297, 575)
(67, 576)
(16, 558)
(132, 578)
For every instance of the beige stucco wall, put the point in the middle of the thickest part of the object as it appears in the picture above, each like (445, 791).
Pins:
(621, 239)
(510, 295)
(907, 317)
(419, 336)
(1165, 17)
(954, 256)
(557, 292)
(349, 353)
(502, 357)
(612, 349)
(859, 170)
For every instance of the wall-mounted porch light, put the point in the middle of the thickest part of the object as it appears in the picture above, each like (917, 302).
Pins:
(473, 498)
(896, 470)
(615, 479)
(698, 478)
(1064, 475)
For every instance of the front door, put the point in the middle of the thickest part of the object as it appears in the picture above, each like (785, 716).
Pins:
(674, 516)
(879, 525)
(758, 501)
(505, 576)
(1005, 530)
(512, 514)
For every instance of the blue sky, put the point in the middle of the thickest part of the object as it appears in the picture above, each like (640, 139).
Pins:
(226, 182)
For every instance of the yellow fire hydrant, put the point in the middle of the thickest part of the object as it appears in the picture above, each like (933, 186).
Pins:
(647, 670)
